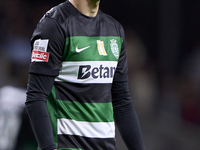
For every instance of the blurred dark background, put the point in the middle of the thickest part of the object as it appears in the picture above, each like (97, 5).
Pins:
(163, 49)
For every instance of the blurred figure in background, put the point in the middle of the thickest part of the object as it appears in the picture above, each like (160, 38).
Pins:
(14, 49)
(12, 116)
(11, 106)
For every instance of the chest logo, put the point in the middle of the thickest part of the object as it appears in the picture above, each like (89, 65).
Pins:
(101, 48)
(81, 49)
(114, 48)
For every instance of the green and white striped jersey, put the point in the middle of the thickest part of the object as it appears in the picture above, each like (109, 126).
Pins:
(86, 54)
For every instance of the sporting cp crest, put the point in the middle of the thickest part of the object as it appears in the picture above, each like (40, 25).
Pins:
(101, 48)
(114, 48)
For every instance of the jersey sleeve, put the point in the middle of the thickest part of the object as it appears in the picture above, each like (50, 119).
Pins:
(122, 67)
(48, 43)
(124, 113)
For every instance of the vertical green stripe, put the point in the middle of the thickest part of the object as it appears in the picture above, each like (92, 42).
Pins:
(91, 112)
(52, 108)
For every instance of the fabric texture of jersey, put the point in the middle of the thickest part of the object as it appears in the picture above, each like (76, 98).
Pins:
(86, 54)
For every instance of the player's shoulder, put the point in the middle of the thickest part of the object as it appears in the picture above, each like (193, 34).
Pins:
(109, 19)
(60, 13)
(112, 22)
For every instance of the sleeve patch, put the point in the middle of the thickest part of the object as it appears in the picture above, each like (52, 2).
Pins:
(39, 52)
(39, 56)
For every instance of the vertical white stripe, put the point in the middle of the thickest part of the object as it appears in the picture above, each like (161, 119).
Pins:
(87, 129)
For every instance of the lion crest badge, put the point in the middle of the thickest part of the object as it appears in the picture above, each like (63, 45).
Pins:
(114, 48)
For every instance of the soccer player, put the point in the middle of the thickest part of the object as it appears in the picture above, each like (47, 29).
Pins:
(78, 87)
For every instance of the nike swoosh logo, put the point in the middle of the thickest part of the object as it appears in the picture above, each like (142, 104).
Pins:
(82, 49)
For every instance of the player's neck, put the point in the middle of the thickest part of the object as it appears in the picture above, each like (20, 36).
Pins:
(87, 7)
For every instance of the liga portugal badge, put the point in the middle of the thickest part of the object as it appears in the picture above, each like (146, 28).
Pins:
(39, 52)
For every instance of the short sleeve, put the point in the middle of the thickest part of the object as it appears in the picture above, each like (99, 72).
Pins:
(47, 42)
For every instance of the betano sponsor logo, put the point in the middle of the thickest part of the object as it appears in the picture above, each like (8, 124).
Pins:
(86, 71)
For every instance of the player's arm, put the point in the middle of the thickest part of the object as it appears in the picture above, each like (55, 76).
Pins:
(125, 116)
(48, 37)
(124, 112)
(39, 87)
